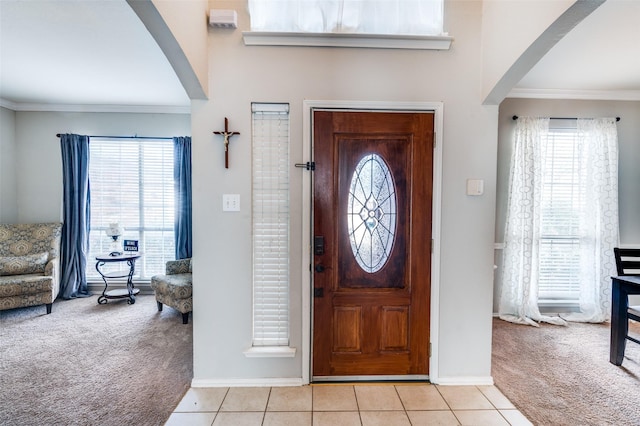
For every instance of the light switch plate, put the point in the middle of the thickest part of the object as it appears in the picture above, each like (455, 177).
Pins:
(230, 202)
(475, 186)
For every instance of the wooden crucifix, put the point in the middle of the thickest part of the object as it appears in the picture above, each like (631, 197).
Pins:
(227, 135)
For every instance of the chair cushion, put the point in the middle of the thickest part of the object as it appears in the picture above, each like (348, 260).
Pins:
(21, 265)
(177, 286)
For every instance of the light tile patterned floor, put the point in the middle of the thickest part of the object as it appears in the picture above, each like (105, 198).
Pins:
(347, 405)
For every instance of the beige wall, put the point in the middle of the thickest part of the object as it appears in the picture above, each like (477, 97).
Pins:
(37, 154)
(242, 74)
(508, 29)
(8, 200)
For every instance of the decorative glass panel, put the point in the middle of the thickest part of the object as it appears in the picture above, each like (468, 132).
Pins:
(371, 213)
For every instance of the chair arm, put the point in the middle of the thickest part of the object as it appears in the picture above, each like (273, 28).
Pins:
(180, 266)
(52, 269)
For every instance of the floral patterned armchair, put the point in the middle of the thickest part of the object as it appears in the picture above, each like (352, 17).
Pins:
(175, 287)
(29, 264)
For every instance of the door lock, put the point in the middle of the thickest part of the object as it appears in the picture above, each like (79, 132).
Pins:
(319, 268)
(318, 245)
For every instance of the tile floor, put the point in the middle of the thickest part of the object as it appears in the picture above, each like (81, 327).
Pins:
(348, 405)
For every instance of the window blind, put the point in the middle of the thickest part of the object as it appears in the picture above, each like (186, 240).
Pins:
(131, 182)
(562, 201)
(270, 217)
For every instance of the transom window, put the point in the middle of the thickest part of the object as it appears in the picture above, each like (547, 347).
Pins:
(401, 17)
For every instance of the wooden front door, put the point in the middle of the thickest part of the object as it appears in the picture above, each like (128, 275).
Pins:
(372, 190)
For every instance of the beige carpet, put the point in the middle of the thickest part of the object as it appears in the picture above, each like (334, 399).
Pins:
(90, 364)
(562, 376)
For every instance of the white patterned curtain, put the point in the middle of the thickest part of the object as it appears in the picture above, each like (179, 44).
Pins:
(598, 139)
(598, 221)
(406, 17)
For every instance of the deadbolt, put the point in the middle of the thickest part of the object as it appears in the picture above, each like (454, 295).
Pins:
(318, 245)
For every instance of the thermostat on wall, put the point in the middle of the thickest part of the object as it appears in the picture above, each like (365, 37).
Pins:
(475, 186)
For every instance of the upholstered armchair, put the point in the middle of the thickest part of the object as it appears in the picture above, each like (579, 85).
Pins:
(174, 289)
(29, 264)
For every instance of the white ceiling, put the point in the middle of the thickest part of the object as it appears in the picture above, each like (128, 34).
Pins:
(82, 52)
(66, 52)
(601, 54)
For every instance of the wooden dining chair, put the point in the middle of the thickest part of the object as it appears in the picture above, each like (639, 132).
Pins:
(628, 263)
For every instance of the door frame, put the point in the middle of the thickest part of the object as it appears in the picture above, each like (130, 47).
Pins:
(307, 211)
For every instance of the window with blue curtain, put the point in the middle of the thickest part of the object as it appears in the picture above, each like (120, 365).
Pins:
(132, 184)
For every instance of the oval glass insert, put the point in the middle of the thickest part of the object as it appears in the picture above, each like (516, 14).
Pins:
(372, 213)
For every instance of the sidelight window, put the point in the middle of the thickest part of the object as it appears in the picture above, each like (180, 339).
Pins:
(270, 216)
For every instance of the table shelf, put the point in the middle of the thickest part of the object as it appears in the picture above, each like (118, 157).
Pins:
(130, 292)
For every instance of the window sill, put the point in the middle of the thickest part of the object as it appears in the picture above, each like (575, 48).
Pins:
(270, 352)
(379, 41)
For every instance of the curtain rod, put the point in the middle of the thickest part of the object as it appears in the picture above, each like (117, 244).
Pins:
(124, 137)
(515, 117)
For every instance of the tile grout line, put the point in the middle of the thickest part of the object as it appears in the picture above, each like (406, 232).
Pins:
(355, 395)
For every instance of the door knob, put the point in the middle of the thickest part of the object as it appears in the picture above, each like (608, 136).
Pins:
(319, 268)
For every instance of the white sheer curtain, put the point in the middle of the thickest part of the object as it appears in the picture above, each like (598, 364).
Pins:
(406, 17)
(598, 221)
(598, 140)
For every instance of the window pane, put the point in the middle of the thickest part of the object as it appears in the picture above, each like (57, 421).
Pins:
(371, 213)
(402, 17)
(562, 200)
(131, 183)
(270, 217)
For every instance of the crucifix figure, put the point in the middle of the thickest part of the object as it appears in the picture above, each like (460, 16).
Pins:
(227, 134)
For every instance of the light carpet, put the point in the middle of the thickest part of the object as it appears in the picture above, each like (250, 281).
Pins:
(559, 375)
(90, 364)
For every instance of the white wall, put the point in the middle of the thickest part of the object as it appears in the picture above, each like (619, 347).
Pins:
(629, 158)
(188, 21)
(8, 201)
(509, 28)
(222, 241)
(37, 155)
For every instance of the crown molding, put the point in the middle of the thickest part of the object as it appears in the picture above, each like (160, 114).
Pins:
(139, 109)
(8, 104)
(602, 95)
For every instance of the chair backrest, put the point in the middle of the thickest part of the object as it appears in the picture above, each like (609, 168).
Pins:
(627, 261)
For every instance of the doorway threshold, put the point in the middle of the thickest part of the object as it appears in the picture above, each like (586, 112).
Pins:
(415, 378)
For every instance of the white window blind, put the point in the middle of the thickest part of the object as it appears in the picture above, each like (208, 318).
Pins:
(131, 182)
(562, 202)
(270, 216)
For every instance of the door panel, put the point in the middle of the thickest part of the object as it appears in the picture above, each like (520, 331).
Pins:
(372, 207)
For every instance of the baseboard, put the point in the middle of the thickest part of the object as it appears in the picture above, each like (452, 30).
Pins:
(255, 382)
(267, 382)
(465, 381)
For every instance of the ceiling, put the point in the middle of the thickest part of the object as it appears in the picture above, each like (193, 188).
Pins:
(67, 52)
(601, 55)
(57, 53)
